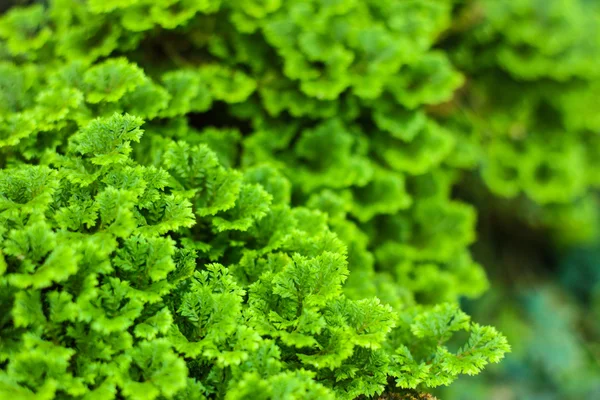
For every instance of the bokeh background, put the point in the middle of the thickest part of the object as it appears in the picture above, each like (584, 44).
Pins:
(545, 297)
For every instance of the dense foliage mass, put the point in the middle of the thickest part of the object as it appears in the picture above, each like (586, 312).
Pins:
(236, 199)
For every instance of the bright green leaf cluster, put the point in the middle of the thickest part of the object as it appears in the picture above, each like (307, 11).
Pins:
(285, 221)
(109, 286)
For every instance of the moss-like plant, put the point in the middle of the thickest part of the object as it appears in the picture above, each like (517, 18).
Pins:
(236, 199)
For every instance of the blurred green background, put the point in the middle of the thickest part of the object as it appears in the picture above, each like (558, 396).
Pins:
(545, 297)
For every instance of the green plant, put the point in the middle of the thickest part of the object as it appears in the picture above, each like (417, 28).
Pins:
(284, 225)
(532, 101)
(110, 284)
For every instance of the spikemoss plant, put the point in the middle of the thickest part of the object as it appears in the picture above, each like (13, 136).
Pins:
(235, 199)
(193, 280)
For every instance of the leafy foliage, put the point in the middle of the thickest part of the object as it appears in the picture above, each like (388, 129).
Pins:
(539, 138)
(284, 223)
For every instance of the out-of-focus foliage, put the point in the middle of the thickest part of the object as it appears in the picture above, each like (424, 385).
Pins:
(553, 326)
(295, 175)
(533, 98)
